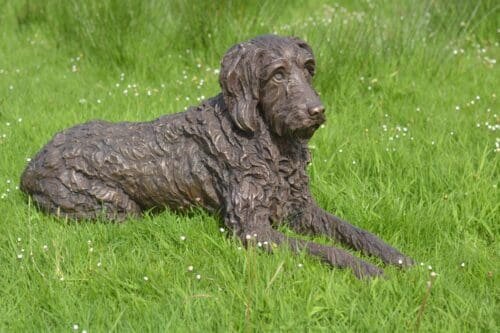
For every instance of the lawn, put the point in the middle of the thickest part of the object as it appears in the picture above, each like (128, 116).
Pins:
(410, 151)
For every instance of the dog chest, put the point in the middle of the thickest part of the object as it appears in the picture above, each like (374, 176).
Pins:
(290, 191)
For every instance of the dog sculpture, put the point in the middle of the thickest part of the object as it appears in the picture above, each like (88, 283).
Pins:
(241, 154)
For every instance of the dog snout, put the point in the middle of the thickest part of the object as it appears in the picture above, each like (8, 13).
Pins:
(315, 110)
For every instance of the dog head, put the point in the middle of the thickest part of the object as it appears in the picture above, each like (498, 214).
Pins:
(271, 77)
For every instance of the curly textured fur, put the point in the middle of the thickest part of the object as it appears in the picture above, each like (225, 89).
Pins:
(241, 154)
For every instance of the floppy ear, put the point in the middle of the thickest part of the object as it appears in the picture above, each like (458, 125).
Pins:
(240, 86)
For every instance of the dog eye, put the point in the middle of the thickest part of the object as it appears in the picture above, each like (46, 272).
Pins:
(309, 66)
(279, 76)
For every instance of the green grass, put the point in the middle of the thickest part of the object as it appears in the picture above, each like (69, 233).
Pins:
(410, 151)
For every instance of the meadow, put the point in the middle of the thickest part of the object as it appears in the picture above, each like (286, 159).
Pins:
(410, 151)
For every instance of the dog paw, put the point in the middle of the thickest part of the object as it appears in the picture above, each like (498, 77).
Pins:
(399, 260)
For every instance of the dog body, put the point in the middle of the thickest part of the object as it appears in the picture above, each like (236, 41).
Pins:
(241, 154)
(169, 162)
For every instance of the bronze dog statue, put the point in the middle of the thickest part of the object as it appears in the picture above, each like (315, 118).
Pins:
(241, 154)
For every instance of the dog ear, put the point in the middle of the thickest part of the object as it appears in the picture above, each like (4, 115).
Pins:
(240, 87)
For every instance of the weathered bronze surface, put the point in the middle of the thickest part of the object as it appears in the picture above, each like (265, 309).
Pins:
(241, 154)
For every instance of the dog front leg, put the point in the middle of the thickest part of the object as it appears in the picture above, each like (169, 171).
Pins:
(247, 215)
(319, 221)
(257, 231)
(268, 238)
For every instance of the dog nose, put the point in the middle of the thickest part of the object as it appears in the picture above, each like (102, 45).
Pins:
(315, 110)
